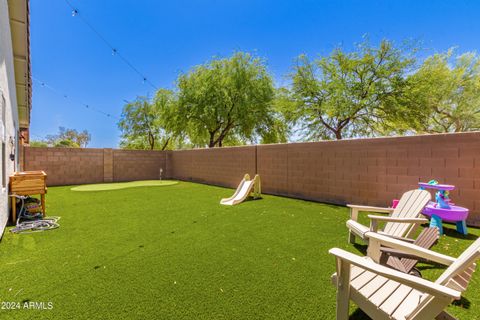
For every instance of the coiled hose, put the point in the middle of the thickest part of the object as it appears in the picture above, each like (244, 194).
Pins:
(31, 226)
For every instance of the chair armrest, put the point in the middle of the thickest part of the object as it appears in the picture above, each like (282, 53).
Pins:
(377, 240)
(371, 208)
(374, 221)
(355, 209)
(397, 237)
(406, 279)
(400, 254)
(399, 220)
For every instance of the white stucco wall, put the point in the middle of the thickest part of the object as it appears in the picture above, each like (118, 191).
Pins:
(7, 88)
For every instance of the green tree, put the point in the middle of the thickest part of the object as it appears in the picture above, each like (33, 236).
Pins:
(69, 138)
(142, 124)
(344, 94)
(281, 127)
(65, 144)
(226, 101)
(38, 143)
(444, 94)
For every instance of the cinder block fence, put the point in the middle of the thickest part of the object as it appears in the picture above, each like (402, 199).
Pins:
(68, 166)
(364, 171)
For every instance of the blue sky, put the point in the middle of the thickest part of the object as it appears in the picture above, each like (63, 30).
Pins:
(164, 38)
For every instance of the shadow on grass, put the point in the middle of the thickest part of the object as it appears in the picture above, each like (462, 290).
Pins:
(361, 247)
(462, 303)
(454, 234)
(359, 315)
(430, 266)
(248, 199)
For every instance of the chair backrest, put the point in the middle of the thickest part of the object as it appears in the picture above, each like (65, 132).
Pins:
(410, 205)
(426, 239)
(457, 275)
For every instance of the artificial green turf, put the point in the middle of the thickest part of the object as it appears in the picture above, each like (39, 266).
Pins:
(123, 185)
(176, 253)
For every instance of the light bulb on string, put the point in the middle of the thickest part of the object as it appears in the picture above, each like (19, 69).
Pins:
(65, 96)
(114, 51)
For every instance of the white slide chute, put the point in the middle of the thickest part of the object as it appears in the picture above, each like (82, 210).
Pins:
(244, 189)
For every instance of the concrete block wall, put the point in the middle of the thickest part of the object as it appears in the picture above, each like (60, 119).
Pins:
(129, 165)
(66, 166)
(374, 171)
(69, 166)
(361, 171)
(218, 166)
(108, 165)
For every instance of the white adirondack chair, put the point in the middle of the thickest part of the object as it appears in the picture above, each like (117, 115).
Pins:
(401, 222)
(385, 293)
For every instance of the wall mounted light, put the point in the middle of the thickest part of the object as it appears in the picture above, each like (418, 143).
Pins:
(11, 140)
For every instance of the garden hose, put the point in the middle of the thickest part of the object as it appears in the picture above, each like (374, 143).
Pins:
(35, 225)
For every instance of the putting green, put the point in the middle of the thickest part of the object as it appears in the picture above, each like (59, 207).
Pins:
(124, 185)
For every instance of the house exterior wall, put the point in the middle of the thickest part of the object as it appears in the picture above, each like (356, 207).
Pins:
(7, 89)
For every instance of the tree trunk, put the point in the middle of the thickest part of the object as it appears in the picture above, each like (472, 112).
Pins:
(151, 140)
(338, 134)
(165, 144)
(223, 134)
(211, 144)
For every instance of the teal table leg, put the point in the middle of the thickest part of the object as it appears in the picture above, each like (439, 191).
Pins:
(436, 221)
(462, 227)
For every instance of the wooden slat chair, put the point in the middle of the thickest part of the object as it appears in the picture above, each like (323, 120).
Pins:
(401, 223)
(406, 263)
(384, 293)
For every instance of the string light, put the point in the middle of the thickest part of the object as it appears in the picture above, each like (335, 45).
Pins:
(87, 106)
(115, 52)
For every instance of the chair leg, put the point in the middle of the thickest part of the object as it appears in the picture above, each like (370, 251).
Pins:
(343, 290)
(351, 237)
(373, 250)
(445, 316)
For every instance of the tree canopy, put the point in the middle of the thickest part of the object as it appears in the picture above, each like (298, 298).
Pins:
(143, 123)
(368, 91)
(343, 94)
(444, 94)
(227, 101)
(65, 137)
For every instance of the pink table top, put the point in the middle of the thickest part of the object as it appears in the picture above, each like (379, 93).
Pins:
(455, 213)
(447, 187)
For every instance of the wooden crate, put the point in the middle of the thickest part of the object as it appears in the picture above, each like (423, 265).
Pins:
(28, 183)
